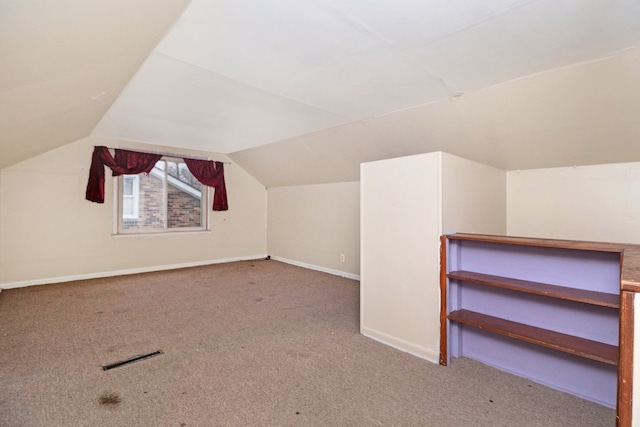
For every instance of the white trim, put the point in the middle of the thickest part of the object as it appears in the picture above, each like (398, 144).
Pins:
(163, 233)
(62, 279)
(317, 268)
(402, 345)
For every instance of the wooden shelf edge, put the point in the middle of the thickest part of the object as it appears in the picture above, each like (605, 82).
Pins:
(582, 347)
(547, 243)
(553, 291)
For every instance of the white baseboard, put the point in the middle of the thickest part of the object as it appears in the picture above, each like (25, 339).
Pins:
(103, 274)
(317, 268)
(402, 345)
(99, 275)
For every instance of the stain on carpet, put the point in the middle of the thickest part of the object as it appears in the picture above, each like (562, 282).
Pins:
(109, 400)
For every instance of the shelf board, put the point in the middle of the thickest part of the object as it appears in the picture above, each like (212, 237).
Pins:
(561, 292)
(545, 243)
(582, 347)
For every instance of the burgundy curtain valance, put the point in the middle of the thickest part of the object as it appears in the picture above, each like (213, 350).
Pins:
(208, 172)
(125, 162)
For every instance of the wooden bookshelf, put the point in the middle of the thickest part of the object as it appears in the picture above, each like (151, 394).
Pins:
(561, 292)
(562, 342)
(562, 296)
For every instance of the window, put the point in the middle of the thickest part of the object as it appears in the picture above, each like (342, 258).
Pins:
(130, 197)
(169, 199)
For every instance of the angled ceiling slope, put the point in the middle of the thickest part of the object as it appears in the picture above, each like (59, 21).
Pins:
(237, 74)
(317, 85)
(64, 62)
(579, 115)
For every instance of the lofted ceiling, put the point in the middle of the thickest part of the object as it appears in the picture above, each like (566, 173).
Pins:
(64, 62)
(303, 91)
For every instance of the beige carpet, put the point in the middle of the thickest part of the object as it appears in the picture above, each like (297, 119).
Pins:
(256, 343)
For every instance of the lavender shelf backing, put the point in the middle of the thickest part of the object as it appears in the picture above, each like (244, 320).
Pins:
(544, 309)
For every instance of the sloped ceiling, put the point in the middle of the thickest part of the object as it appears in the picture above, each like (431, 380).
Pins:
(580, 115)
(302, 91)
(64, 62)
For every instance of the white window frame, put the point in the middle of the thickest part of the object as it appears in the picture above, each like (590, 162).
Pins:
(119, 230)
(135, 196)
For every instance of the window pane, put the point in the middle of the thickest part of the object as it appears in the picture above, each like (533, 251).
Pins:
(127, 207)
(130, 200)
(152, 212)
(127, 189)
(170, 197)
(184, 204)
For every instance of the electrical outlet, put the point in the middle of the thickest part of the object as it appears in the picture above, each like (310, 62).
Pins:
(342, 257)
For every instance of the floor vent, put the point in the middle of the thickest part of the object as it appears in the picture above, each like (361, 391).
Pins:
(132, 360)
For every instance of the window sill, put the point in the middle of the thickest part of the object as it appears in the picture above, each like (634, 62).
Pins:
(166, 234)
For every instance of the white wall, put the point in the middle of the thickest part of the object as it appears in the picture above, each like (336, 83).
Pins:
(474, 197)
(400, 228)
(600, 203)
(312, 225)
(49, 232)
(406, 204)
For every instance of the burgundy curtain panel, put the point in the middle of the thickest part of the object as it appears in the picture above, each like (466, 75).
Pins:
(211, 173)
(132, 162)
(125, 162)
